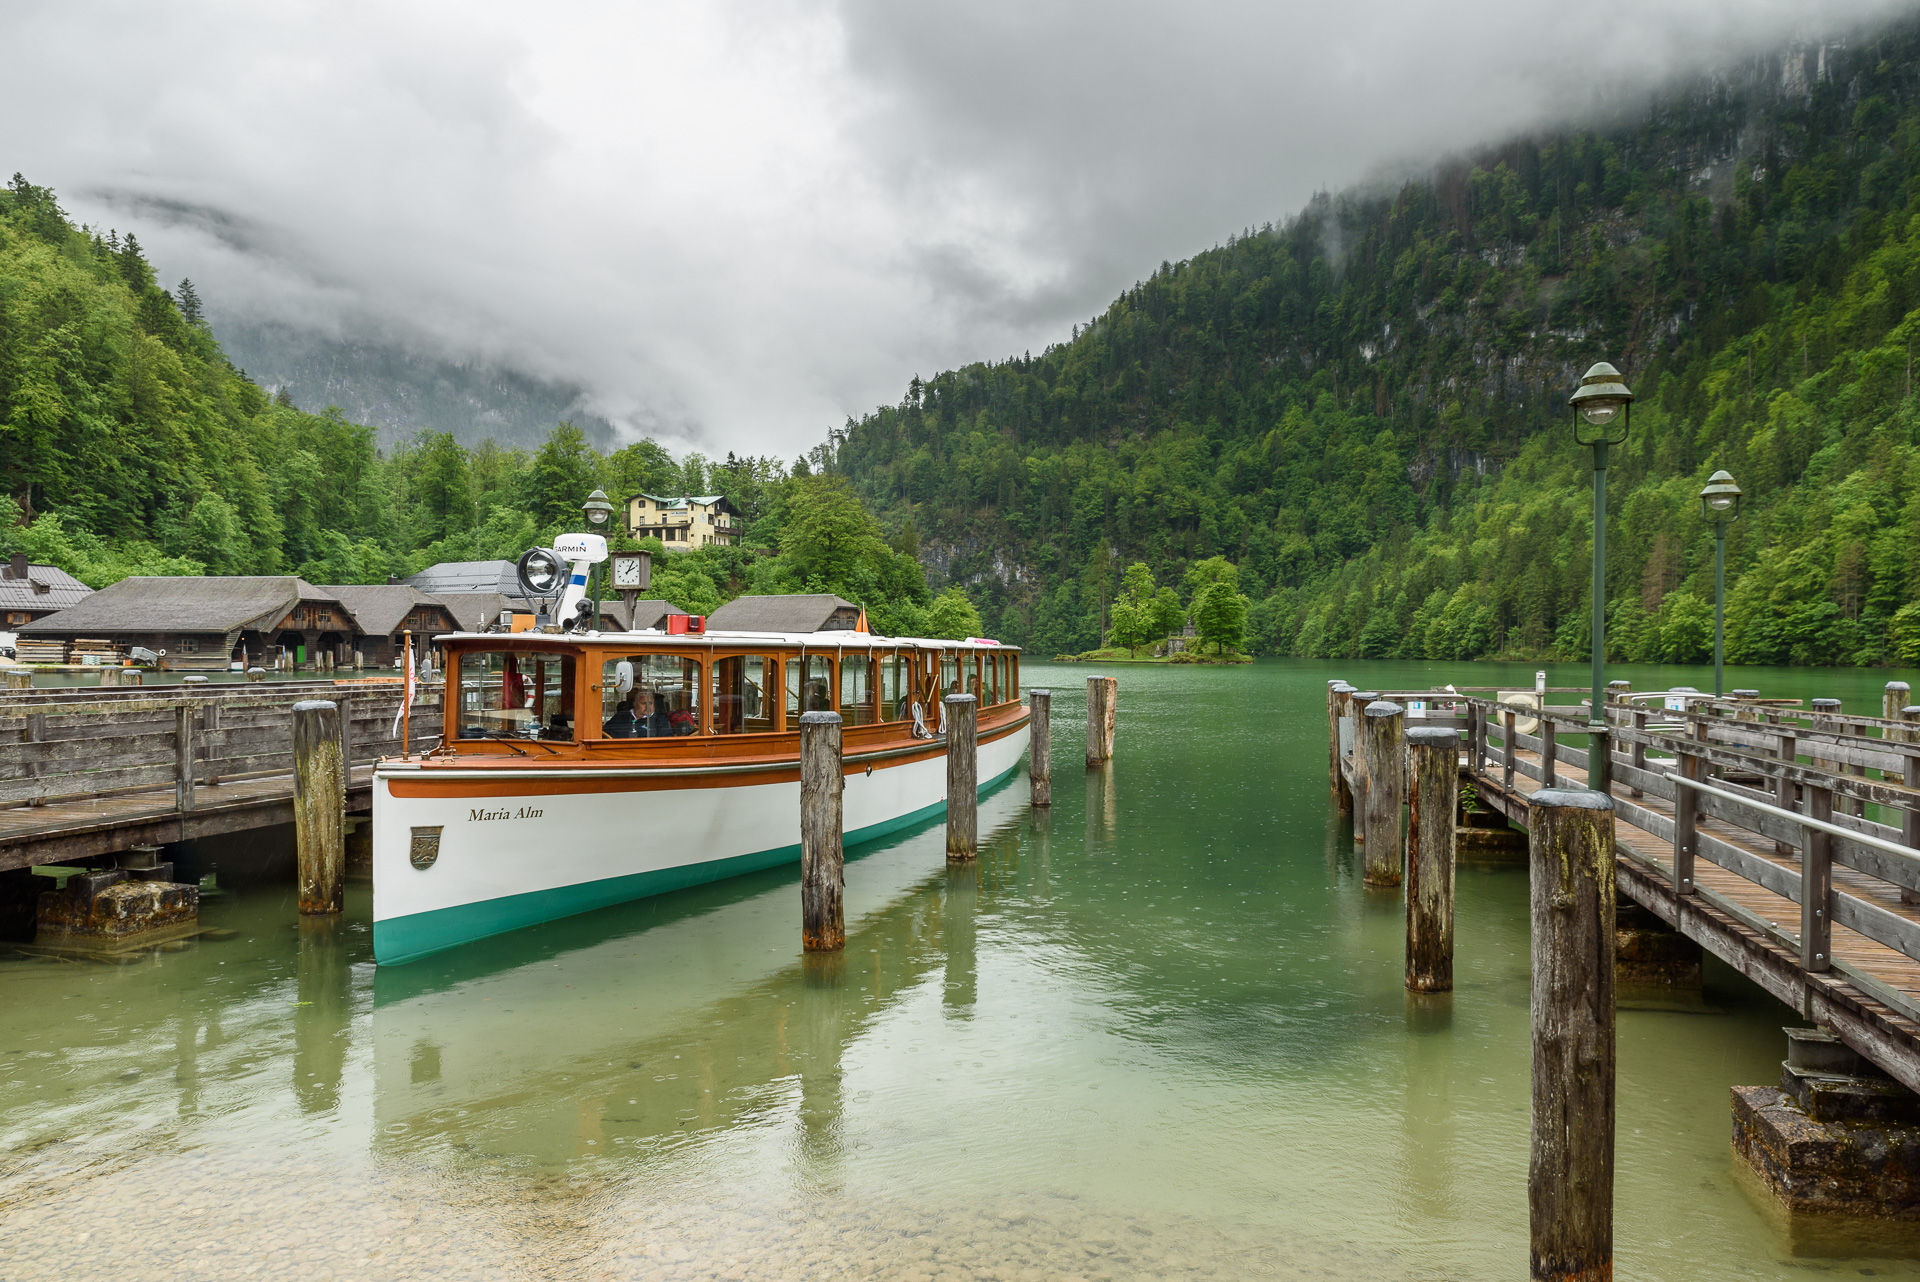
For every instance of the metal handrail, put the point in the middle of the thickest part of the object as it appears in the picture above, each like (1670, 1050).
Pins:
(1855, 836)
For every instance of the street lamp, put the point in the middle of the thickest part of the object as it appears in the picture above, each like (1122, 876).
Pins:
(1601, 408)
(1720, 504)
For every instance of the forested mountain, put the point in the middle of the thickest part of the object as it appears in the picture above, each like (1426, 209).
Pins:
(1364, 407)
(380, 380)
(129, 444)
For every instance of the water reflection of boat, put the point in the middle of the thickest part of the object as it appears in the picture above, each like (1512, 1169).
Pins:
(584, 770)
(649, 1020)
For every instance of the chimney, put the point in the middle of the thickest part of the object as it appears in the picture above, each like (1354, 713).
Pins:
(18, 570)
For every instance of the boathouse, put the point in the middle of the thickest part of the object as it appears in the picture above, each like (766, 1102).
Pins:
(29, 592)
(801, 612)
(206, 622)
(383, 613)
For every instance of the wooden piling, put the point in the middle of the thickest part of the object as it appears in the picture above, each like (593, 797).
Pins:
(1893, 701)
(183, 755)
(1040, 748)
(1510, 728)
(17, 678)
(1385, 723)
(1342, 745)
(319, 807)
(36, 732)
(1336, 782)
(1549, 752)
(963, 775)
(823, 877)
(1816, 886)
(1432, 801)
(1570, 1173)
(1355, 711)
(1103, 698)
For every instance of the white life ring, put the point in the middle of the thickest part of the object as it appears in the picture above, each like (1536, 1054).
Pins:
(1522, 699)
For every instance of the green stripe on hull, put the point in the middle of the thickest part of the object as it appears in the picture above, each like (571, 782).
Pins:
(409, 938)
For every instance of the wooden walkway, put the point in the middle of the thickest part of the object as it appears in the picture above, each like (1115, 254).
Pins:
(1744, 905)
(94, 827)
(86, 774)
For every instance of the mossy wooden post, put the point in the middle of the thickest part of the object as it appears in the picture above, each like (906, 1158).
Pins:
(963, 778)
(1431, 804)
(1103, 698)
(1343, 745)
(1357, 701)
(1040, 747)
(1894, 698)
(319, 807)
(1570, 1175)
(1385, 724)
(823, 877)
(17, 678)
(1335, 784)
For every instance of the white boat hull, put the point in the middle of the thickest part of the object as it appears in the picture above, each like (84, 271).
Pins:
(538, 851)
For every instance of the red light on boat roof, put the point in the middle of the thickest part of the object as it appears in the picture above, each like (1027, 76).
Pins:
(981, 641)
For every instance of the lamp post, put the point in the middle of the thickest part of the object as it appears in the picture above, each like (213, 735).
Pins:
(1720, 504)
(1601, 408)
(598, 511)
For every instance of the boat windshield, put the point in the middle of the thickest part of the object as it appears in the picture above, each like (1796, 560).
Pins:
(516, 694)
(742, 703)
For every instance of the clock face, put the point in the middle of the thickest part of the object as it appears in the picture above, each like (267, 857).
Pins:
(626, 570)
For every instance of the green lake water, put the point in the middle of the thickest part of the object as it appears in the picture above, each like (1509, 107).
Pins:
(1157, 1032)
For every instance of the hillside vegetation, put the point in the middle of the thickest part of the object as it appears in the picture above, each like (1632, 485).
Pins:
(129, 444)
(1364, 408)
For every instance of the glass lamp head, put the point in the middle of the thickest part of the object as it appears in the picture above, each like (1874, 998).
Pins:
(1601, 407)
(1720, 500)
(596, 509)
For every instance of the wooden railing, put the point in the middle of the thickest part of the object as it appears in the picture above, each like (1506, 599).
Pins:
(1826, 790)
(72, 744)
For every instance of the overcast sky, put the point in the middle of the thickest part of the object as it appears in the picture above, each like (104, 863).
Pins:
(736, 224)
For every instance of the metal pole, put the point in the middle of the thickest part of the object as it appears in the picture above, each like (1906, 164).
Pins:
(1719, 607)
(1598, 713)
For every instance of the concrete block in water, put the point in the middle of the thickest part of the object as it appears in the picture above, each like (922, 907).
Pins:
(1648, 953)
(109, 906)
(1827, 1143)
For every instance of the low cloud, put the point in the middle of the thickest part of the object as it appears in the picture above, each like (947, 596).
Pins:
(736, 224)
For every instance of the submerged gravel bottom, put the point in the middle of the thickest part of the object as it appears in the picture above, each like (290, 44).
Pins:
(199, 1215)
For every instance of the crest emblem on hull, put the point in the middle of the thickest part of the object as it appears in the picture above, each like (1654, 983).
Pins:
(425, 848)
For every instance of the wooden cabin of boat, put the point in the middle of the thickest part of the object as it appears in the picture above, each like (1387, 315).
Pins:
(637, 698)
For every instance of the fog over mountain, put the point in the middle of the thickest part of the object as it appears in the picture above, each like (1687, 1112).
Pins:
(733, 225)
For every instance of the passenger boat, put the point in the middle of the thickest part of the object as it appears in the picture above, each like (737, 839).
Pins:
(579, 770)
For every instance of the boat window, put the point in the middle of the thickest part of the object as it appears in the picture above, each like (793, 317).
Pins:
(974, 687)
(741, 701)
(990, 678)
(896, 687)
(856, 689)
(949, 673)
(517, 694)
(1013, 676)
(813, 675)
(649, 696)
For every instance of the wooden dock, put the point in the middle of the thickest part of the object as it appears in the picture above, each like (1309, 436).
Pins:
(1706, 801)
(87, 773)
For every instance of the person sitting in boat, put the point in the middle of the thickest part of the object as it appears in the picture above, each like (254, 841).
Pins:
(623, 724)
(659, 722)
(683, 721)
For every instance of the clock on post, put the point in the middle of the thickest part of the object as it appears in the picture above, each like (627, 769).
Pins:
(632, 574)
(632, 571)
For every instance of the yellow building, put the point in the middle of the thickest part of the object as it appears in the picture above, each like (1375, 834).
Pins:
(684, 523)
